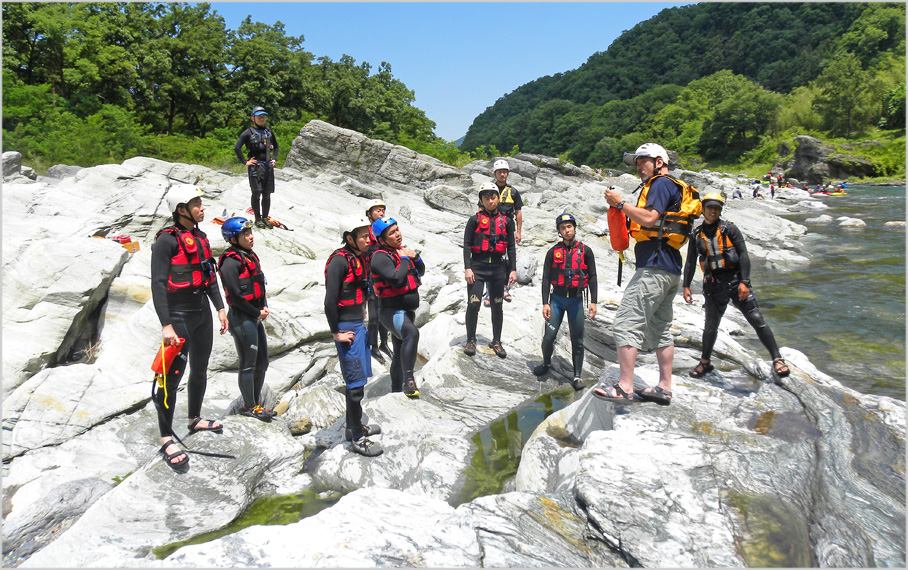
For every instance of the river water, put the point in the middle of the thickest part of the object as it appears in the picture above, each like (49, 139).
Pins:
(846, 310)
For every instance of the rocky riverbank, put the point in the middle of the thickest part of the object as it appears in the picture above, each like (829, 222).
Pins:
(737, 471)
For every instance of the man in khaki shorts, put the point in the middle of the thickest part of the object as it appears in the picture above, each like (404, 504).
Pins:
(660, 222)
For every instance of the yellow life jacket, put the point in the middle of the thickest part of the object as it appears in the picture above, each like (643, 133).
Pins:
(506, 197)
(674, 226)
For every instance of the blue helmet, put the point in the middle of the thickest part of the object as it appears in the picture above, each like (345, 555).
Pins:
(233, 226)
(563, 219)
(381, 224)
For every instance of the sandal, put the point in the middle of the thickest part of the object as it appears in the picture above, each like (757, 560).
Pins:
(181, 466)
(485, 301)
(656, 394)
(780, 368)
(614, 393)
(507, 295)
(209, 426)
(499, 350)
(701, 370)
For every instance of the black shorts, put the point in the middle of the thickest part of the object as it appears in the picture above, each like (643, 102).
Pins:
(261, 178)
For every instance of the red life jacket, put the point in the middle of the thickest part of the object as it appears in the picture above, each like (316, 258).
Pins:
(252, 280)
(491, 234)
(192, 267)
(372, 240)
(568, 266)
(382, 288)
(354, 285)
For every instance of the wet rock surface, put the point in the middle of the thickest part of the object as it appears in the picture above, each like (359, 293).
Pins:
(736, 471)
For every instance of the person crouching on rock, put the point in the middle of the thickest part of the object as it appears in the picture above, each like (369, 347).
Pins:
(346, 291)
(182, 283)
(244, 287)
(719, 246)
(488, 236)
(395, 277)
(375, 210)
(569, 270)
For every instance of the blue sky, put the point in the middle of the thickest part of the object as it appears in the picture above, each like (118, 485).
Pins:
(457, 57)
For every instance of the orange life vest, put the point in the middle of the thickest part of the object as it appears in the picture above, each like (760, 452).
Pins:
(674, 225)
(716, 252)
(354, 285)
(491, 234)
(252, 280)
(192, 266)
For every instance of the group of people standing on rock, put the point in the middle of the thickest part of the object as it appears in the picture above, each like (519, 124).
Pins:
(373, 270)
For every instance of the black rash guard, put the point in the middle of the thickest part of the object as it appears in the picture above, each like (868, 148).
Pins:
(487, 259)
(259, 152)
(741, 273)
(590, 261)
(337, 271)
(162, 252)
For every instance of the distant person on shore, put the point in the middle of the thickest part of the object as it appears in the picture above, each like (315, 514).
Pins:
(261, 145)
(737, 194)
(182, 284)
(772, 191)
(489, 256)
(244, 288)
(719, 246)
(569, 270)
(346, 293)
(378, 334)
(395, 273)
(660, 223)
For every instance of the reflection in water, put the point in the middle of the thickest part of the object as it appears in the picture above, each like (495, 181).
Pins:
(499, 446)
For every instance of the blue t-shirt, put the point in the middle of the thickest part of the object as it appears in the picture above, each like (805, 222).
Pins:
(656, 253)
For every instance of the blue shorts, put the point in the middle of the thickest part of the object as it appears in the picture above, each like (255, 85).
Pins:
(355, 358)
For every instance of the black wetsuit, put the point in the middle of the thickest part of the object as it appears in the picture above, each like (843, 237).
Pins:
(378, 334)
(398, 313)
(567, 300)
(491, 268)
(721, 286)
(187, 310)
(261, 175)
(247, 330)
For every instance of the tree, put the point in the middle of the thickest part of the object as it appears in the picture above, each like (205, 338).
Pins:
(842, 89)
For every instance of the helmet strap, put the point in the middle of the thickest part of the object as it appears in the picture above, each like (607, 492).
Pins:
(179, 215)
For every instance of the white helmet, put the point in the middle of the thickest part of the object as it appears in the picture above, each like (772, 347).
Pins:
(646, 149)
(374, 204)
(351, 223)
(501, 164)
(488, 187)
(181, 194)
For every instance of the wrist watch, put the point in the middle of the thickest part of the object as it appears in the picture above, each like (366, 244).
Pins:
(620, 205)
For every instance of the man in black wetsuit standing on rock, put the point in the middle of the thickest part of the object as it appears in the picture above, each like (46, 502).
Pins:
(261, 145)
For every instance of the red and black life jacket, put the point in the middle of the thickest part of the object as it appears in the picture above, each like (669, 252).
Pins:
(252, 280)
(491, 233)
(716, 252)
(382, 288)
(354, 285)
(192, 266)
(569, 270)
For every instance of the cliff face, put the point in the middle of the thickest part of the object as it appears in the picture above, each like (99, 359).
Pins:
(739, 470)
(815, 162)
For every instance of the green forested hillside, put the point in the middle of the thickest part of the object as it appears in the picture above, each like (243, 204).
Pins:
(89, 83)
(715, 81)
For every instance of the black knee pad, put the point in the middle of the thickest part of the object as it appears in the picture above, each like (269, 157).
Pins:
(356, 394)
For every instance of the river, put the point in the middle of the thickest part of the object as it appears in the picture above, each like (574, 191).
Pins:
(846, 310)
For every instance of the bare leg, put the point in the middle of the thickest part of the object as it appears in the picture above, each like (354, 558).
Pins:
(665, 355)
(627, 358)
